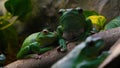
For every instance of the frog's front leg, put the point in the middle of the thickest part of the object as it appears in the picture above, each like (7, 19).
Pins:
(59, 31)
(63, 46)
(62, 41)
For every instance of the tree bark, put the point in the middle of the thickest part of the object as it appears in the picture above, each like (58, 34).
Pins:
(50, 57)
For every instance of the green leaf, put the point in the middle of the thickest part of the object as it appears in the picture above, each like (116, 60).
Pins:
(19, 7)
(88, 13)
(8, 37)
(113, 24)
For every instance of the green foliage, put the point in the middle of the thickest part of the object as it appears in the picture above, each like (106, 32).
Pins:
(113, 24)
(8, 36)
(19, 7)
(88, 13)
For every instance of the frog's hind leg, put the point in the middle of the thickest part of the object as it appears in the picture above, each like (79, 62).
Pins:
(62, 42)
(23, 52)
(41, 51)
(26, 52)
(37, 50)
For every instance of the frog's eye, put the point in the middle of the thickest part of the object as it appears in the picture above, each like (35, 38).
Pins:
(61, 11)
(45, 31)
(91, 44)
(91, 41)
(79, 9)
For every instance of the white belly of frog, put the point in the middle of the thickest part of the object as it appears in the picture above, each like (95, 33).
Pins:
(73, 35)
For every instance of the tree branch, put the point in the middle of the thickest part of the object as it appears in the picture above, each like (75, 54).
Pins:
(50, 57)
(109, 36)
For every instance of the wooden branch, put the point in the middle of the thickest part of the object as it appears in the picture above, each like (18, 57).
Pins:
(109, 36)
(47, 59)
(50, 57)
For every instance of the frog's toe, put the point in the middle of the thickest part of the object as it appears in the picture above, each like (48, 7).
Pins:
(34, 56)
(59, 49)
(38, 57)
(63, 50)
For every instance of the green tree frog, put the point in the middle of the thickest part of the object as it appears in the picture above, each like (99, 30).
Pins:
(85, 55)
(73, 24)
(38, 43)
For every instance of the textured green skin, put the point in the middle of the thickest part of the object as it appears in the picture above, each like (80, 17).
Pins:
(42, 40)
(89, 56)
(74, 22)
(85, 55)
(35, 41)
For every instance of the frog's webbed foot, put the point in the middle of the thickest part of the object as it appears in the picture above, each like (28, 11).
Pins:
(38, 56)
(34, 56)
(59, 49)
(63, 46)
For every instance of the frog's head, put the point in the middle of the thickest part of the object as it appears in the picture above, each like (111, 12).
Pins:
(46, 34)
(71, 15)
(76, 10)
(93, 46)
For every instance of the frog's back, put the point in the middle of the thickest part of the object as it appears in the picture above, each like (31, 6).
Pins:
(30, 39)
